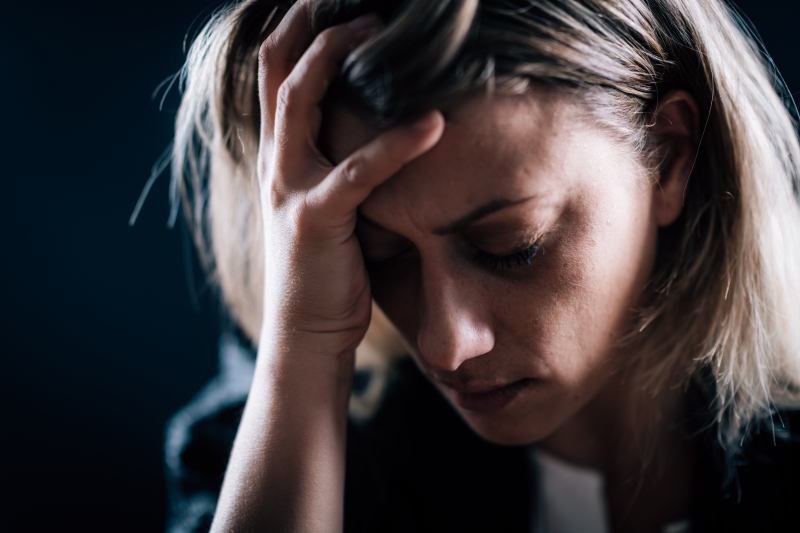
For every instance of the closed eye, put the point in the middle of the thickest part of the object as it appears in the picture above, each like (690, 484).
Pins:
(513, 261)
(517, 260)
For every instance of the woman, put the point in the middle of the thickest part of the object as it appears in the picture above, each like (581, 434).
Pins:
(578, 218)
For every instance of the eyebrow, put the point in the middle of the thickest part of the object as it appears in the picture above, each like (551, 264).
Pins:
(464, 221)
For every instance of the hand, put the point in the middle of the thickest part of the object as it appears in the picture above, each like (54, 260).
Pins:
(316, 288)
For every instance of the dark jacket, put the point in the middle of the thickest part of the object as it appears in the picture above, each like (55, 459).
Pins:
(416, 466)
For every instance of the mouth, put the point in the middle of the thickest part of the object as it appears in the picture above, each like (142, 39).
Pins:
(485, 399)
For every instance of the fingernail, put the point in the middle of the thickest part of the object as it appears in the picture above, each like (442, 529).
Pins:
(365, 22)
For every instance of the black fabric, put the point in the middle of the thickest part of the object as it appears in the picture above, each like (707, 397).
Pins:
(757, 489)
(416, 466)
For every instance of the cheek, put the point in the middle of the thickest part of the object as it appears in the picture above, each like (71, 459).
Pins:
(581, 297)
(565, 313)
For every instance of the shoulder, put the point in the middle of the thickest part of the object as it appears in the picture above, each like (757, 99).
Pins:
(412, 452)
(755, 487)
(199, 436)
(769, 462)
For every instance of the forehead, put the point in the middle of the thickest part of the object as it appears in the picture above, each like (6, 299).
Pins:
(490, 147)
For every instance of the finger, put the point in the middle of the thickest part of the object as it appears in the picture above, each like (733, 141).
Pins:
(337, 197)
(276, 56)
(298, 113)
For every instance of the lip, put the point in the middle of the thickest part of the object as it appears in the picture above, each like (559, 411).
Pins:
(483, 398)
(477, 387)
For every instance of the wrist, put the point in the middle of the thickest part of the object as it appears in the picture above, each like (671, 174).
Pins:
(304, 363)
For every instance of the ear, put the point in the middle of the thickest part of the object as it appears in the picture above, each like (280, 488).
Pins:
(675, 126)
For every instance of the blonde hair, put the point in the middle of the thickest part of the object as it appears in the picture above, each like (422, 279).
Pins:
(721, 297)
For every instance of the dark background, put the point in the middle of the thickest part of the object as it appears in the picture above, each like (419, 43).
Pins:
(103, 335)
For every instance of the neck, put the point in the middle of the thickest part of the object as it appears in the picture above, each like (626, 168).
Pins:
(647, 484)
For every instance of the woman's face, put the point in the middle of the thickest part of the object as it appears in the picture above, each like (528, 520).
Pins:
(548, 315)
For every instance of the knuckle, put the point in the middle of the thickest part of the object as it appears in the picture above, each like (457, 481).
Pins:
(278, 197)
(302, 217)
(327, 38)
(352, 169)
(265, 51)
(273, 191)
(292, 205)
(287, 97)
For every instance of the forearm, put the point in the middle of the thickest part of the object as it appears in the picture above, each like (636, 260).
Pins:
(286, 469)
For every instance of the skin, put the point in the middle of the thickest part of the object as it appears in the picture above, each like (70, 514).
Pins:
(594, 210)
(553, 320)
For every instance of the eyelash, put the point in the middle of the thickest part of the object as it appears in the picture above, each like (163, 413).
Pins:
(513, 261)
(517, 260)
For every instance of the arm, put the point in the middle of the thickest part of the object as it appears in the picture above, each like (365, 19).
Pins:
(286, 470)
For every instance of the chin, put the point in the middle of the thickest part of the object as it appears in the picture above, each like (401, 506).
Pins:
(506, 430)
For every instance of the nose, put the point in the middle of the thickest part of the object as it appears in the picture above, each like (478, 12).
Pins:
(454, 320)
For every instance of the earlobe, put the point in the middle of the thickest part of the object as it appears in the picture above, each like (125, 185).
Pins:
(675, 125)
